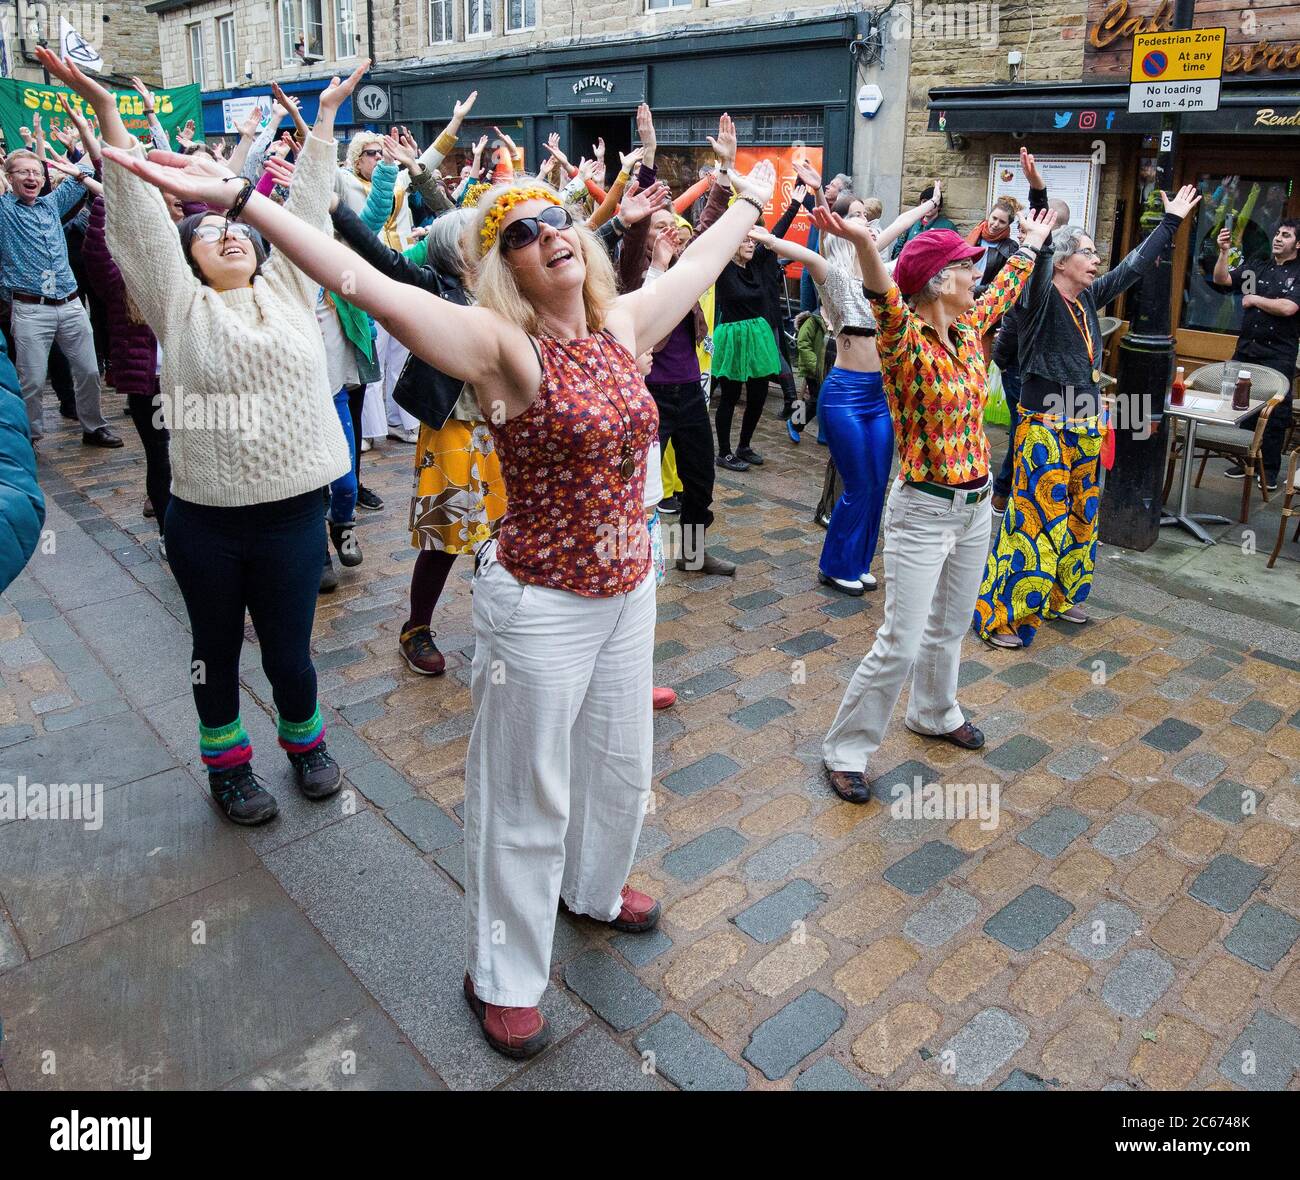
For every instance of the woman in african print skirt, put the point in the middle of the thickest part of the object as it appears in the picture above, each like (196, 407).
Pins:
(459, 493)
(1043, 558)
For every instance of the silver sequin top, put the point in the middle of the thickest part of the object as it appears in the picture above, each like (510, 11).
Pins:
(843, 303)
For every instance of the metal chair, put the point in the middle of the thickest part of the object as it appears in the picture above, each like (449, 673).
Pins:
(1292, 479)
(1242, 445)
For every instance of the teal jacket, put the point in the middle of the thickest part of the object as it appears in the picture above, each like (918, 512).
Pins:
(22, 507)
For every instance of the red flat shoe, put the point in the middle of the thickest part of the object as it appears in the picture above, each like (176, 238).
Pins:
(516, 1032)
(663, 698)
(639, 912)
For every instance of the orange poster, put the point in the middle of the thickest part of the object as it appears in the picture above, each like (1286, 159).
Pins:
(783, 159)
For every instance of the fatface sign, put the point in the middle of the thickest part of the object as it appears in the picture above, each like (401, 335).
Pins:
(1263, 39)
(617, 89)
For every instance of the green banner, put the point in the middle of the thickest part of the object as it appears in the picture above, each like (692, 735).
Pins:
(19, 101)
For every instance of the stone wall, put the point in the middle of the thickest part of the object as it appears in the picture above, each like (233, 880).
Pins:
(123, 32)
(1050, 37)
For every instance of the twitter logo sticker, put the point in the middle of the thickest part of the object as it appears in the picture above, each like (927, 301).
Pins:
(1062, 119)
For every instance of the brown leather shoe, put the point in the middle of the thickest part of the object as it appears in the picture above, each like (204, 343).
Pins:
(516, 1032)
(966, 736)
(850, 785)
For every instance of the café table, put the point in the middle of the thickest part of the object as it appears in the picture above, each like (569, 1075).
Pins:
(1201, 409)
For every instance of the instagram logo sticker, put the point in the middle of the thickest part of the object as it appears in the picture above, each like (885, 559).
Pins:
(1087, 120)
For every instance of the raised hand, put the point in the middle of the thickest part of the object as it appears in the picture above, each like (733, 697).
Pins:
(1036, 225)
(395, 150)
(146, 95)
(667, 242)
(463, 108)
(724, 146)
(481, 146)
(1029, 168)
(587, 168)
(197, 178)
(832, 223)
(761, 236)
(630, 162)
(645, 129)
(407, 140)
(505, 139)
(811, 178)
(637, 205)
(598, 149)
(799, 194)
(1224, 241)
(758, 185)
(334, 95)
(281, 170)
(1186, 199)
(252, 121)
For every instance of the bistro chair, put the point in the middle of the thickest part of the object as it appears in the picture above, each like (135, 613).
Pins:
(1292, 477)
(1230, 442)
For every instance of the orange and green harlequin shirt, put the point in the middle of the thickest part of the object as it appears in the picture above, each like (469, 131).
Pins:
(936, 396)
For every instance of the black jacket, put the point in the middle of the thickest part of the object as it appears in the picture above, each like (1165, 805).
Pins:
(427, 393)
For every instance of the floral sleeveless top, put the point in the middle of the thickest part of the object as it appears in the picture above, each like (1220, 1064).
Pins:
(574, 521)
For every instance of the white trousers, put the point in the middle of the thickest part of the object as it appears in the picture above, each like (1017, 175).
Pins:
(391, 354)
(934, 561)
(558, 774)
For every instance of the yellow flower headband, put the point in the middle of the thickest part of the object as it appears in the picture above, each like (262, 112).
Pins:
(503, 204)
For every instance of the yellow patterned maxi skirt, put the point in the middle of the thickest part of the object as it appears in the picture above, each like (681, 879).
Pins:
(459, 493)
(1043, 560)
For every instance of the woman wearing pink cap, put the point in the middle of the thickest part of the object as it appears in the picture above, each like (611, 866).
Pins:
(936, 524)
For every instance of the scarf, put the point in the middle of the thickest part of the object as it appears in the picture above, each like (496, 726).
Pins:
(982, 233)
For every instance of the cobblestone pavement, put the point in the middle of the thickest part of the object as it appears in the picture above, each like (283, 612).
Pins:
(1131, 921)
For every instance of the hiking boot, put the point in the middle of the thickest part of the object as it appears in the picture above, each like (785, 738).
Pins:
(345, 541)
(317, 773)
(243, 799)
(421, 653)
(516, 1032)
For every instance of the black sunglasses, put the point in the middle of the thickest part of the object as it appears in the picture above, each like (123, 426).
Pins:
(527, 230)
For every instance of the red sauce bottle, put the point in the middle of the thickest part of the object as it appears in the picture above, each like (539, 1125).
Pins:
(1179, 389)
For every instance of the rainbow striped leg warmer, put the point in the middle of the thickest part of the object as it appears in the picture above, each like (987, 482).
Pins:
(297, 737)
(225, 746)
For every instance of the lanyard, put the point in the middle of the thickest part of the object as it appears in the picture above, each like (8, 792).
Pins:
(1080, 319)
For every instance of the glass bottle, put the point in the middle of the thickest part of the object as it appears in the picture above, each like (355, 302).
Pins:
(1178, 391)
(1241, 392)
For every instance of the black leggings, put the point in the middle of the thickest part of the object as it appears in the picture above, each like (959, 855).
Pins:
(728, 398)
(265, 559)
(145, 413)
(428, 577)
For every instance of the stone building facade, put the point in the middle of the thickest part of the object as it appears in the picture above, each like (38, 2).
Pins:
(123, 31)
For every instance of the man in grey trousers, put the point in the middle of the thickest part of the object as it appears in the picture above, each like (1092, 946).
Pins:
(34, 270)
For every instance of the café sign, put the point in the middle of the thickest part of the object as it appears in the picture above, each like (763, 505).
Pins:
(1263, 41)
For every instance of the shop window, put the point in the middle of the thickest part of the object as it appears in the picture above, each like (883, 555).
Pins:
(658, 5)
(440, 29)
(799, 126)
(345, 28)
(520, 15)
(478, 18)
(229, 50)
(1250, 207)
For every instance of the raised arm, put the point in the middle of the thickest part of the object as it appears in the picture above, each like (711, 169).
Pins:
(437, 151)
(908, 218)
(875, 278)
(816, 265)
(383, 258)
(1029, 259)
(658, 306)
(1148, 252)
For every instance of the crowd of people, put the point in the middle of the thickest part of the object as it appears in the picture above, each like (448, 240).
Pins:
(541, 340)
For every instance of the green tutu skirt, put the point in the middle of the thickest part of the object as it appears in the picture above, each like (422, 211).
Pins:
(743, 350)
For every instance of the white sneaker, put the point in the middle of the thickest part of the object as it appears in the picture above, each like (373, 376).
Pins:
(366, 445)
(406, 436)
(844, 585)
(868, 581)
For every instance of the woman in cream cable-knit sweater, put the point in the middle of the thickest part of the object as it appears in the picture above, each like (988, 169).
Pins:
(254, 439)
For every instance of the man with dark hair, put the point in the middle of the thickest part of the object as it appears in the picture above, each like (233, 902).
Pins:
(938, 221)
(1270, 327)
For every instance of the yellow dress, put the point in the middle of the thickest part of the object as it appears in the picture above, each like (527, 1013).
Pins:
(459, 492)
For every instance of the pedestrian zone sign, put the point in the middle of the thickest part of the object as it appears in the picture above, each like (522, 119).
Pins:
(1177, 71)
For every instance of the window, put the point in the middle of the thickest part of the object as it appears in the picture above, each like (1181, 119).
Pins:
(657, 5)
(478, 18)
(345, 28)
(302, 30)
(439, 21)
(229, 54)
(520, 15)
(195, 35)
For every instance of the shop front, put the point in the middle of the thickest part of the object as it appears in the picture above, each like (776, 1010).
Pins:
(1243, 157)
(224, 110)
(785, 85)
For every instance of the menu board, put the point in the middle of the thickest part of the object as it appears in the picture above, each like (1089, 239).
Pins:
(1072, 179)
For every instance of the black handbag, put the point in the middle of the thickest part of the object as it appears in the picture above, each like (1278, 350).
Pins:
(424, 392)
